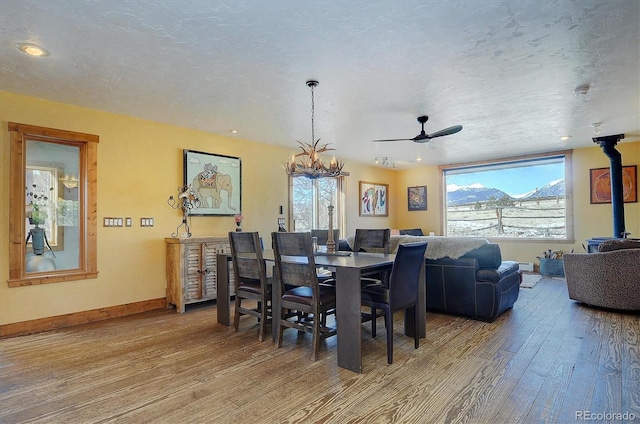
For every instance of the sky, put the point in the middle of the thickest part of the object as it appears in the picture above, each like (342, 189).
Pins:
(513, 181)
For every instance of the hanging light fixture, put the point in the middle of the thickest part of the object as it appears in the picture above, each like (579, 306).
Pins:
(310, 162)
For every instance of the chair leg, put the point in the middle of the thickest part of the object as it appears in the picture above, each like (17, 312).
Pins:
(236, 315)
(263, 321)
(373, 322)
(280, 331)
(416, 336)
(388, 320)
(316, 337)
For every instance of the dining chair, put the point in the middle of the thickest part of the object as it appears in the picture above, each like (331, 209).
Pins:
(373, 240)
(251, 281)
(300, 290)
(401, 294)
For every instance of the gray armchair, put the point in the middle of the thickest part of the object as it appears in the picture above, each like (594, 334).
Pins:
(608, 279)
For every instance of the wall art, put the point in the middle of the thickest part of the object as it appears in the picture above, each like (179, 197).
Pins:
(417, 198)
(600, 184)
(374, 199)
(216, 180)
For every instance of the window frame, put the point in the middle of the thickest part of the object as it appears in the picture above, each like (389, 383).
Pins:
(339, 208)
(569, 223)
(88, 153)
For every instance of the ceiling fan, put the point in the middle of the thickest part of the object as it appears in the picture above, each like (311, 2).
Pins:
(423, 137)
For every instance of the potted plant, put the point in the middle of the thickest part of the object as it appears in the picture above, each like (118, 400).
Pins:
(38, 205)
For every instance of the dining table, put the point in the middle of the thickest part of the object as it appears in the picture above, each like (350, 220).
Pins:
(348, 268)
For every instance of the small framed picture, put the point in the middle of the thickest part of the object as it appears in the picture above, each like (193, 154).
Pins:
(417, 198)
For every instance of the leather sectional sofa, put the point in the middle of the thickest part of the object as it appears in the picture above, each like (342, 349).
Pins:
(477, 284)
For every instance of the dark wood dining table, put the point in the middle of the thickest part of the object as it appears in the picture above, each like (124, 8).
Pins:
(348, 270)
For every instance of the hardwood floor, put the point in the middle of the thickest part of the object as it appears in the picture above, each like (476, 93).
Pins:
(545, 361)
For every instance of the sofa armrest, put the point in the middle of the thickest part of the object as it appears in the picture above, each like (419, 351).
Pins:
(488, 256)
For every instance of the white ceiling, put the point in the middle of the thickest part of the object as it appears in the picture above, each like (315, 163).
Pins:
(504, 70)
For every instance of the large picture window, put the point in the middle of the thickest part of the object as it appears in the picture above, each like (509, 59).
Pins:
(310, 199)
(523, 198)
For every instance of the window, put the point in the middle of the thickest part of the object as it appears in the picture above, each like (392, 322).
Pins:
(523, 198)
(310, 199)
(52, 228)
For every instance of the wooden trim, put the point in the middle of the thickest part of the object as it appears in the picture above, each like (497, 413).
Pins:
(53, 278)
(84, 317)
(17, 246)
(508, 159)
(53, 133)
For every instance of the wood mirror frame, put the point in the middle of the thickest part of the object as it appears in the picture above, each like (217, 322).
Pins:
(87, 144)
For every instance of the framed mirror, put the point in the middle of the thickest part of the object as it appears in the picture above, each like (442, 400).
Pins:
(53, 236)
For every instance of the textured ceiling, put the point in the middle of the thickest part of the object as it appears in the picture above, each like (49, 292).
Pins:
(504, 70)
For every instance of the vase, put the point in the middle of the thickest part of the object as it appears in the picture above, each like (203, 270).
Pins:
(238, 226)
(37, 240)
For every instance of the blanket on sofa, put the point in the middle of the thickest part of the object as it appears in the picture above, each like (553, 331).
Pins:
(437, 246)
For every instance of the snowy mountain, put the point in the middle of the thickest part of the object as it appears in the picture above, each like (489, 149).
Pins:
(553, 189)
(464, 195)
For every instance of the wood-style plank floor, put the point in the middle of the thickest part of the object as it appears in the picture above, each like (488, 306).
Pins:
(548, 360)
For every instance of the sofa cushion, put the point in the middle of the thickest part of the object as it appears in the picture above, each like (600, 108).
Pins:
(610, 245)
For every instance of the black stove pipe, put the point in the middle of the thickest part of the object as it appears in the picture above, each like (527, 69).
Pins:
(608, 144)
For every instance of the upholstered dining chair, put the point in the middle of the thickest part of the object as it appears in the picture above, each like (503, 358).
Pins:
(251, 282)
(401, 294)
(300, 290)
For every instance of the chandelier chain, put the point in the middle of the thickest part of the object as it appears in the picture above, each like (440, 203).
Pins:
(310, 164)
(313, 114)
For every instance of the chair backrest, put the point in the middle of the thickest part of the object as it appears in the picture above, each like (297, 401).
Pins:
(372, 238)
(295, 263)
(411, 232)
(246, 255)
(405, 275)
(323, 236)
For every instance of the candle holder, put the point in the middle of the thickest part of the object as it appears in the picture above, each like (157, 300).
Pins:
(331, 243)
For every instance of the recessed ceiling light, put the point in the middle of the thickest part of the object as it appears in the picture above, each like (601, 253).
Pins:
(233, 131)
(565, 137)
(32, 49)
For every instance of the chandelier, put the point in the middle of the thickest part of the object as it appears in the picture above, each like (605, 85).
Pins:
(310, 163)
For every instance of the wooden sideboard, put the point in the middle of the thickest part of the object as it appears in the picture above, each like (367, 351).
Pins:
(191, 269)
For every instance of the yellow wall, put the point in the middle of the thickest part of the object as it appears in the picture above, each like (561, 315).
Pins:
(140, 165)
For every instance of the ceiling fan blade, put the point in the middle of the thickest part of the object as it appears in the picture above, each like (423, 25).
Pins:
(446, 131)
(394, 139)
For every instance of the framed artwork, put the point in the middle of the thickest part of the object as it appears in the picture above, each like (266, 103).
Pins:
(374, 199)
(216, 180)
(417, 198)
(600, 184)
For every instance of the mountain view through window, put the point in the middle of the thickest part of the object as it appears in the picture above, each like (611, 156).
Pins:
(519, 199)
